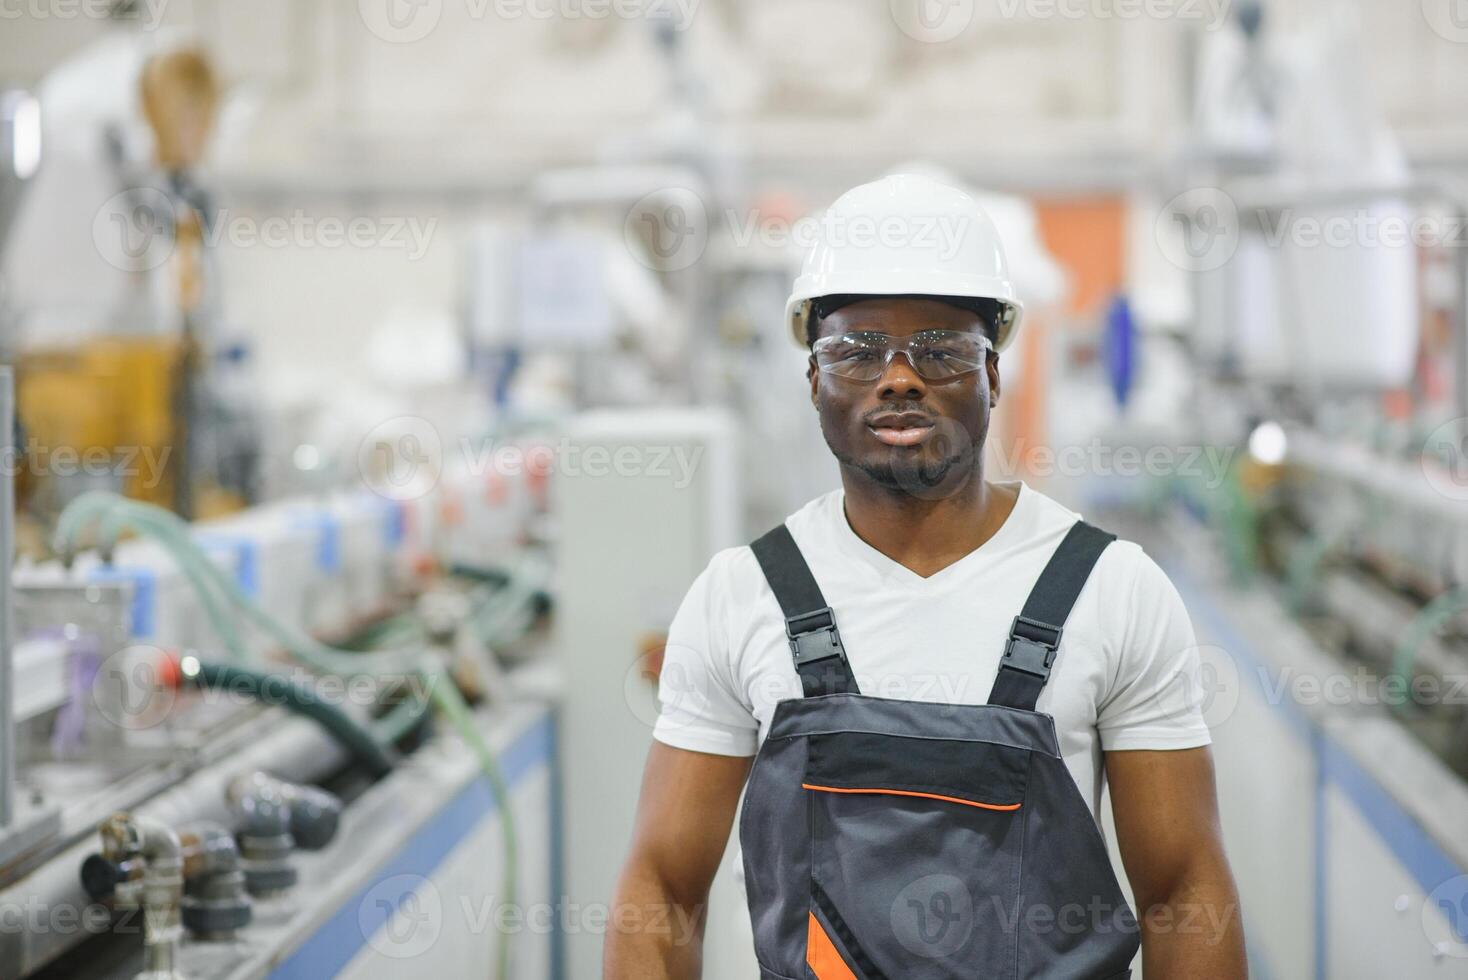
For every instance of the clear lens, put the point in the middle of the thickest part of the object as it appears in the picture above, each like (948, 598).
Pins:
(936, 355)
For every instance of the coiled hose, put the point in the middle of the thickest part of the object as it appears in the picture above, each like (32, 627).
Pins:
(301, 699)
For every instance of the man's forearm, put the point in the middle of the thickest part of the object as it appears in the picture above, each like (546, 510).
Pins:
(650, 935)
(1196, 932)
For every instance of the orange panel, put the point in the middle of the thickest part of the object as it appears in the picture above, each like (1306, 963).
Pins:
(822, 956)
(1087, 236)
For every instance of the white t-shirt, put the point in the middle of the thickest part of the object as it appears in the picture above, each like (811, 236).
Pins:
(1126, 675)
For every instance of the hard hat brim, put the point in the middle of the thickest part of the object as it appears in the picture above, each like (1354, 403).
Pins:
(798, 311)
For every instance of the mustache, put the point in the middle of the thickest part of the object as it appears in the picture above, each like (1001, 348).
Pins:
(895, 408)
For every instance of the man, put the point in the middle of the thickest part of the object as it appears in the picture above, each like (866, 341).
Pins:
(896, 652)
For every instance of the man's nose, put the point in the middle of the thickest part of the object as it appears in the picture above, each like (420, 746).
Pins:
(900, 379)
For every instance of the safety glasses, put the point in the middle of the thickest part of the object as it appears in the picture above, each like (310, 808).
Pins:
(936, 355)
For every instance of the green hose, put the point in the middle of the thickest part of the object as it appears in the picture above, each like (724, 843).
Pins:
(1304, 565)
(195, 566)
(451, 703)
(402, 718)
(1240, 520)
(300, 699)
(206, 578)
(172, 532)
(1303, 570)
(1428, 621)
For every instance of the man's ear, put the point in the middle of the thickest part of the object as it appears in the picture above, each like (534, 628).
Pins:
(991, 365)
(813, 375)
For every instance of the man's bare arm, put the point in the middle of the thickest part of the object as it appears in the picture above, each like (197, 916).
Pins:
(683, 819)
(1167, 826)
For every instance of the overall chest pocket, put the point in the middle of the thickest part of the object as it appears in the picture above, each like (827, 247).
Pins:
(915, 856)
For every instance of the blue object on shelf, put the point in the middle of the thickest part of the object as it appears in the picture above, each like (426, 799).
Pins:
(328, 542)
(1119, 346)
(145, 591)
(246, 557)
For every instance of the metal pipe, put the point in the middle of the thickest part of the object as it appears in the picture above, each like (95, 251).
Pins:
(315, 814)
(1390, 477)
(7, 561)
(297, 750)
(265, 841)
(215, 904)
(159, 892)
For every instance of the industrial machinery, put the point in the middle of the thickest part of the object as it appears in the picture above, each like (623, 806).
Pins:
(1350, 497)
(195, 785)
(1325, 567)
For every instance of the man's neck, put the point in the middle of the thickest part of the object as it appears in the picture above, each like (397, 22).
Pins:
(926, 536)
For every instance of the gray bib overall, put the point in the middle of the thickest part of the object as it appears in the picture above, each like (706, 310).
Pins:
(902, 840)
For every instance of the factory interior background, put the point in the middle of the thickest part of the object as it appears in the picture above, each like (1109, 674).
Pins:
(380, 375)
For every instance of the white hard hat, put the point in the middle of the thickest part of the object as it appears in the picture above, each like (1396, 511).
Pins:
(903, 235)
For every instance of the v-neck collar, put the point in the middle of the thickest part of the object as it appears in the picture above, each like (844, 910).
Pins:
(896, 573)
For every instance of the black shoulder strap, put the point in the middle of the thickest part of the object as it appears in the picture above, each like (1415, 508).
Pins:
(809, 623)
(1035, 635)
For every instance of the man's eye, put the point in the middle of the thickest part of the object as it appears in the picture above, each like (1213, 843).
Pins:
(858, 355)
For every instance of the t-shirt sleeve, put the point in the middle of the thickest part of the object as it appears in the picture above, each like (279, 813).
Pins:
(1156, 700)
(702, 709)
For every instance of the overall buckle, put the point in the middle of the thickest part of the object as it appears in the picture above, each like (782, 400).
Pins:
(813, 637)
(1031, 648)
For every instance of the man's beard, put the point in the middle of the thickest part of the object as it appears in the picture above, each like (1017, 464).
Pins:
(919, 473)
